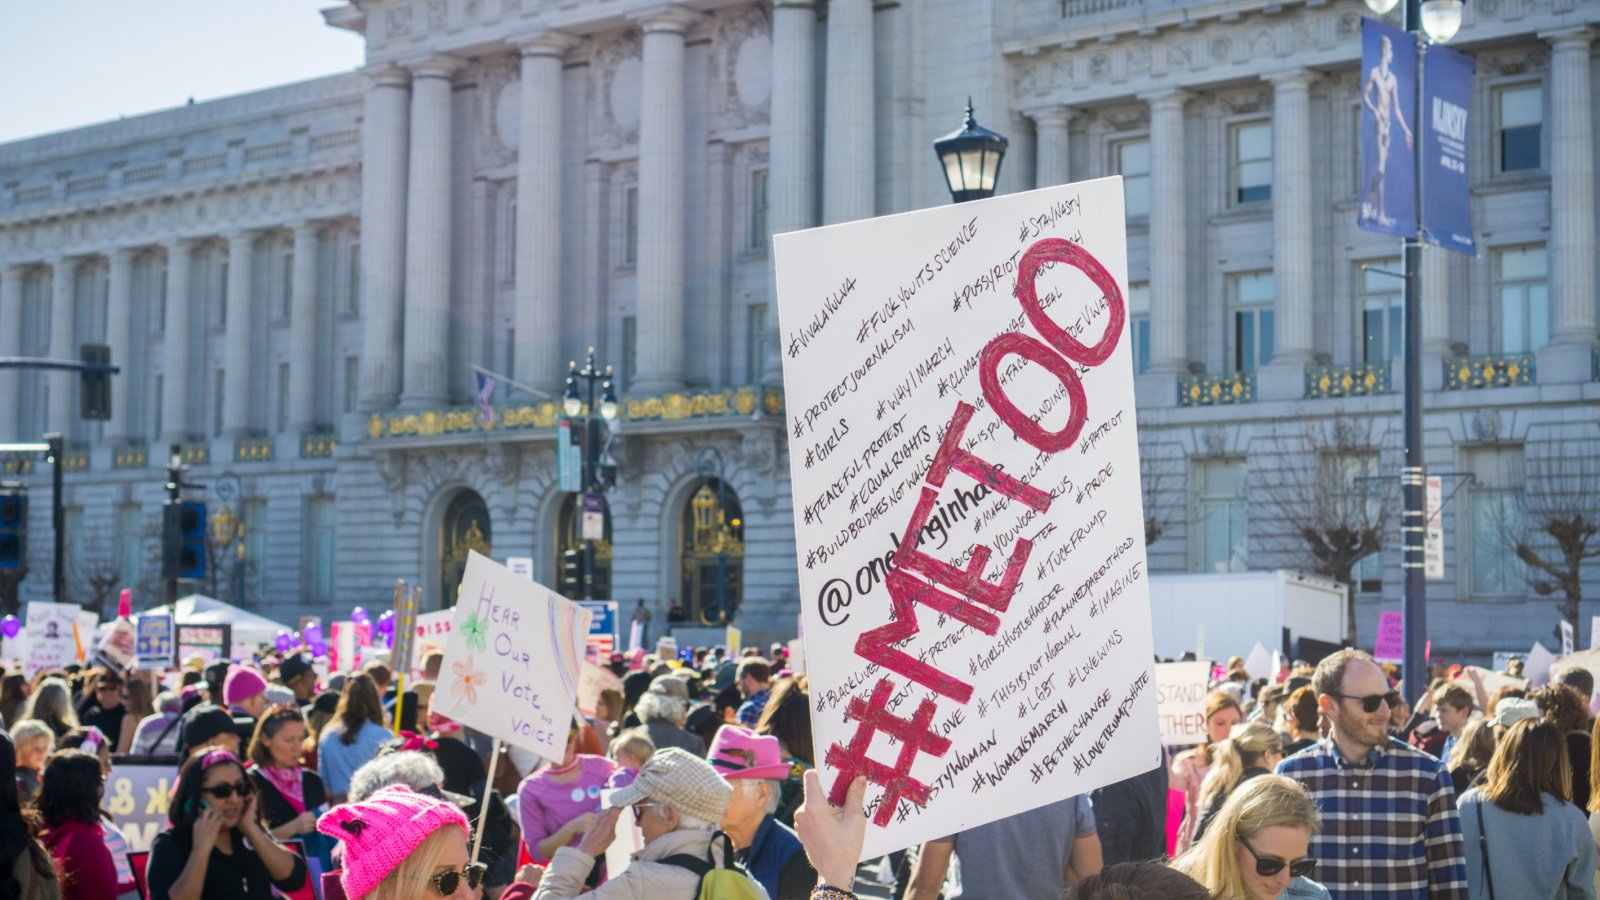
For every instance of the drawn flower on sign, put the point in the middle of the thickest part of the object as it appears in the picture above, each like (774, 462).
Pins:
(467, 681)
(474, 630)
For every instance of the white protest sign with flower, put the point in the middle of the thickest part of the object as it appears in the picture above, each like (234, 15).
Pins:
(511, 663)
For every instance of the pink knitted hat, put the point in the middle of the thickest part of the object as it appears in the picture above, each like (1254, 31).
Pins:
(741, 753)
(384, 829)
(242, 684)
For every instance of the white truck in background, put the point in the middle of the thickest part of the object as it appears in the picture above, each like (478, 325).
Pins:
(1226, 614)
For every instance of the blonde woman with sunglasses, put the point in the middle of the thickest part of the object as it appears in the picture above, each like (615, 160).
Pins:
(1258, 847)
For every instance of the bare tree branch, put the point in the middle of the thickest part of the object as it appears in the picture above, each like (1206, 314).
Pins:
(1558, 531)
(1326, 505)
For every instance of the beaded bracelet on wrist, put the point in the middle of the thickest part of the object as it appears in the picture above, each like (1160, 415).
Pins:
(829, 892)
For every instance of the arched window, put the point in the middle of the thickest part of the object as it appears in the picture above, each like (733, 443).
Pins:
(570, 549)
(464, 528)
(712, 551)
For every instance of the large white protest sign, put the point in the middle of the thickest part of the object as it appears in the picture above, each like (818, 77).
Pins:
(52, 642)
(1181, 701)
(959, 393)
(511, 663)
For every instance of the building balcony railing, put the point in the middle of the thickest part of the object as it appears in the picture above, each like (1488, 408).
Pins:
(1074, 8)
(729, 403)
(317, 446)
(1216, 390)
(1361, 380)
(256, 449)
(1474, 372)
(130, 456)
(196, 454)
(75, 460)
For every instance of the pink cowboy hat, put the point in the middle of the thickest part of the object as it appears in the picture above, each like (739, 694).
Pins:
(741, 753)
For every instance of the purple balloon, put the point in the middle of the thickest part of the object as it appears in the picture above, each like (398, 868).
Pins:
(359, 616)
(11, 626)
(283, 642)
(386, 623)
(313, 633)
(318, 648)
(388, 641)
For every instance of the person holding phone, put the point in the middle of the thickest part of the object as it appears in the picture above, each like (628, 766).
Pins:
(217, 847)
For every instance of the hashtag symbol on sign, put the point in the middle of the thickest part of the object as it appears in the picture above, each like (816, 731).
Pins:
(915, 736)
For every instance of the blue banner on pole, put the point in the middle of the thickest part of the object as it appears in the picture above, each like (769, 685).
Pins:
(1446, 193)
(1388, 99)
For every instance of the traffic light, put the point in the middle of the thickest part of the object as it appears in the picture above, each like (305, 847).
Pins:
(13, 530)
(184, 541)
(94, 385)
(572, 572)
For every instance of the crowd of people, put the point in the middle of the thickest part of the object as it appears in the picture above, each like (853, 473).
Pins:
(1318, 781)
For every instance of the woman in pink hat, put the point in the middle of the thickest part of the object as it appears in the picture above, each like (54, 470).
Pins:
(399, 845)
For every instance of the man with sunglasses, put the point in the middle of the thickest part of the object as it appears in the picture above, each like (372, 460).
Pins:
(1389, 822)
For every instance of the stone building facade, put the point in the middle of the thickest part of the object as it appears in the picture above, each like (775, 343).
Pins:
(297, 283)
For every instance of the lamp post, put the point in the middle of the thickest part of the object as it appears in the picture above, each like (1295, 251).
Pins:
(572, 402)
(971, 157)
(1438, 20)
(227, 529)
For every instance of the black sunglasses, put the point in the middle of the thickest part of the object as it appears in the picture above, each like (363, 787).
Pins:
(447, 882)
(1370, 702)
(1271, 866)
(224, 791)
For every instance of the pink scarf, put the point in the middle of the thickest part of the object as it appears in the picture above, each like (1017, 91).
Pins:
(288, 783)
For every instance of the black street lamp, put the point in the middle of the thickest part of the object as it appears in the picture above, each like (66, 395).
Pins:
(1438, 20)
(593, 484)
(971, 157)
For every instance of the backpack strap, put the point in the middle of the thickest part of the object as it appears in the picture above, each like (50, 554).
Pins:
(684, 861)
(1483, 848)
(727, 850)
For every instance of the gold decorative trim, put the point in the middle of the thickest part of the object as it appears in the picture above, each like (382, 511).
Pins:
(670, 407)
(1362, 380)
(1216, 390)
(1478, 372)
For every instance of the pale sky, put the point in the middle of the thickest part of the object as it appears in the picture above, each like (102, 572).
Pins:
(69, 63)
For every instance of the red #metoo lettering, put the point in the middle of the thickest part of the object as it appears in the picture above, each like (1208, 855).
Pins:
(962, 593)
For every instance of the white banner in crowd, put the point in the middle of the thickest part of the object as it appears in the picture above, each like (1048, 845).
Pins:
(959, 392)
(1181, 701)
(433, 632)
(511, 664)
(51, 643)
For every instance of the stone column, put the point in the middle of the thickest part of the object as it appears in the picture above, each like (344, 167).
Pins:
(239, 370)
(1169, 235)
(427, 292)
(302, 397)
(849, 125)
(61, 413)
(1572, 228)
(1050, 154)
(1291, 218)
(119, 337)
(10, 345)
(792, 167)
(384, 146)
(661, 204)
(539, 190)
(175, 372)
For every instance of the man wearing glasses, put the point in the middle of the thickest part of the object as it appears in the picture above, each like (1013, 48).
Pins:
(1389, 822)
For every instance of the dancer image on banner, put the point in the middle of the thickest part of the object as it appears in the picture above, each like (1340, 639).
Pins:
(1381, 95)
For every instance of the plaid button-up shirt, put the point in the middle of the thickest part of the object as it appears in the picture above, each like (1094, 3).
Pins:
(1389, 823)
